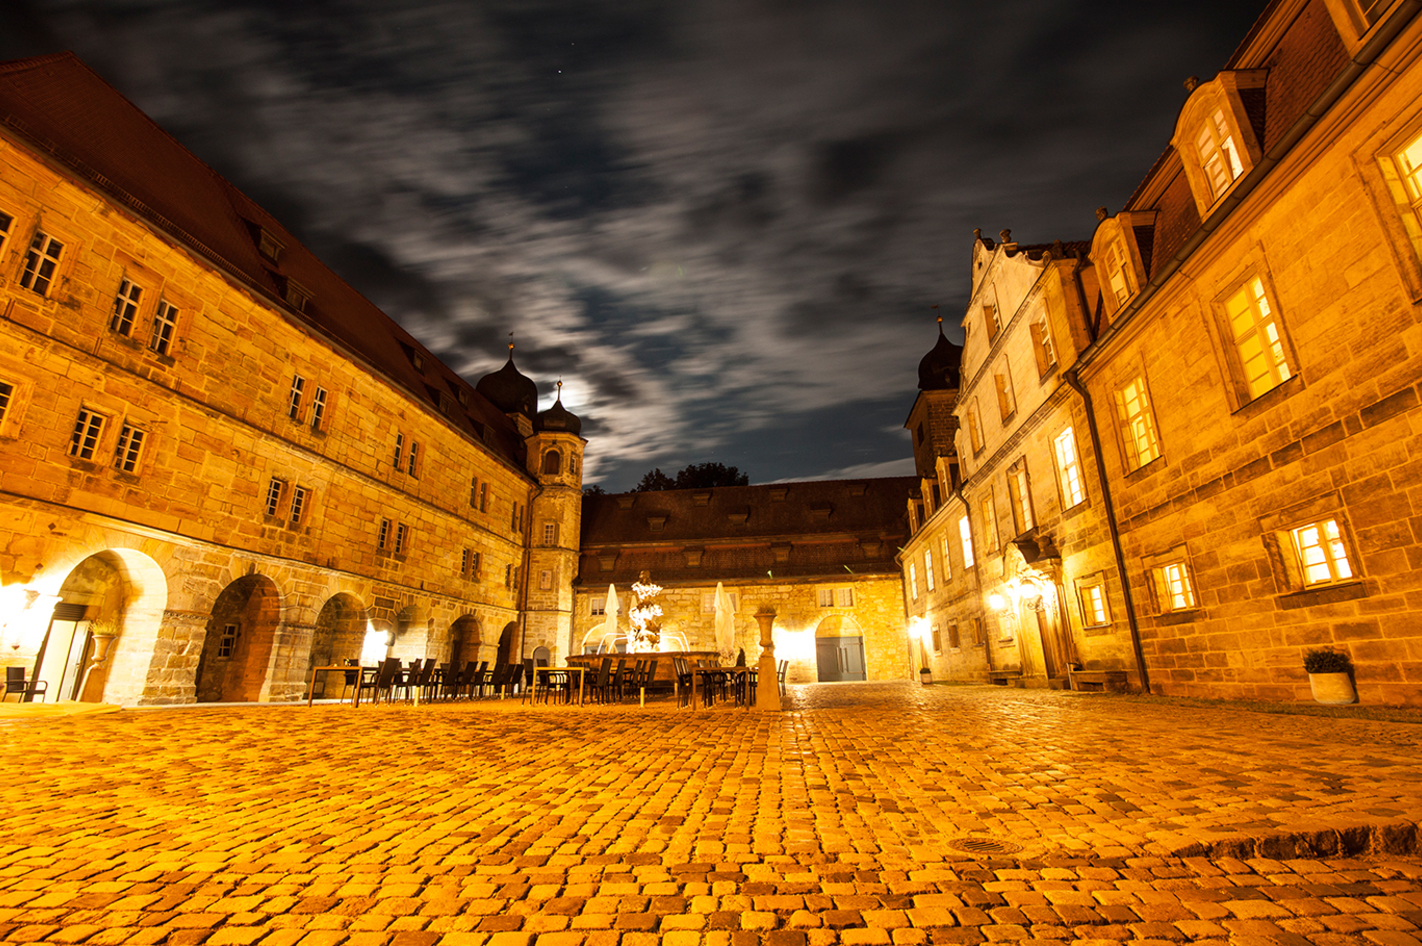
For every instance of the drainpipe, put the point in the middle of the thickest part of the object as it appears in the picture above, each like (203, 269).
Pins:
(1072, 379)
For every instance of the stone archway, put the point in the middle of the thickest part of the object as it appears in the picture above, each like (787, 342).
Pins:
(237, 647)
(339, 635)
(111, 604)
(464, 641)
(839, 649)
(506, 653)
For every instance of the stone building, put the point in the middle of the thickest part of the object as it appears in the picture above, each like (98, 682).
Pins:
(220, 464)
(1237, 359)
(821, 554)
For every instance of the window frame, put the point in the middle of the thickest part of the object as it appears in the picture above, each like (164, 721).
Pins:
(965, 541)
(1070, 480)
(7, 222)
(88, 434)
(294, 397)
(129, 448)
(164, 330)
(1127, 431)
(1242, 393)
(39, 265)
(987, 509)
(1006, 395)
(1043, 347)
(1216, 109)
(319, 398)
(276, 489)
(1019, 496)
(126, 304)
(1338, 541)
(913, 580)
(928, 576)
(300, 505)
(1085, 586)
(975, 427)
(412, 467)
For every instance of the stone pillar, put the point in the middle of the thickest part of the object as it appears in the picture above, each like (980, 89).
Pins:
(767, 694)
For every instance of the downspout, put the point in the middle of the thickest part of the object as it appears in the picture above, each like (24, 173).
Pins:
(1075, 382)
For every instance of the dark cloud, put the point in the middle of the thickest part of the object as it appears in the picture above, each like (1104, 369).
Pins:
(722, 222)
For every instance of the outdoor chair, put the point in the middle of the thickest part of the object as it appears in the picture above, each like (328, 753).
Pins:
(512, 678)
(494, 682)
(456, 680)
(619, 677)
(15, 682)
(685, 680)
(424, 683)
(745, 688)
(634, 679)
(381, 680)
(602, 683)
(527, 694)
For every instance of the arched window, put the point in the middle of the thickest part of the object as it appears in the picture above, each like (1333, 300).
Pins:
(552, 463)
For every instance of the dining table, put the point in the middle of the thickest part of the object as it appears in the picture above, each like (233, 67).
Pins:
(358, 671)
(711, 678)
(582, 673)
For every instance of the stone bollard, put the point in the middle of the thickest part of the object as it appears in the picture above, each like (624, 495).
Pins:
(767, 693)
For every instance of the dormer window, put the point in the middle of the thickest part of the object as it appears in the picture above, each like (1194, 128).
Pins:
(1121, 251)
(1216, 135)
(1118, 274)
(269, 246)
(1219, 155)
(297, 295)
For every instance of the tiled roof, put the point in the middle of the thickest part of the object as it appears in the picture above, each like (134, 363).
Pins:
(819, 528)
(61, 107)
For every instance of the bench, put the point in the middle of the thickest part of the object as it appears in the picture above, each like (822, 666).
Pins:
(1096, 680)
(1004, 678)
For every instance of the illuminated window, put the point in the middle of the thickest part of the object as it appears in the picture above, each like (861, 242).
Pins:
(597, 607)
(1172, 587)
(825, 597)
(165, 324)
(125, 307)
(989, 512)
(293, 401)
(947, 568)
(1092, 595)
(1006, 402)
(7, 392)
(1137, 424)
(975, 426)
(129, 448)
(274, 491)
(298, 504)
(844, 597)
(1258, 339)
(1118, 273)
(1218, 155)
(1068, 468)
(412, 467)
(928, 568)
(40, 262)
(1321, 553)
(318, 409)
(965, 538)
(1042, 347)
(85, 438)
(913, 581)
(1019, 492)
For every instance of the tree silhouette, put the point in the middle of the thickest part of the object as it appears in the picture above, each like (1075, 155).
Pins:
(696, 476)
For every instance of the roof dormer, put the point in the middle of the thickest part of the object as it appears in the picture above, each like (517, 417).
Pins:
(1121, 251)
(1215, 134)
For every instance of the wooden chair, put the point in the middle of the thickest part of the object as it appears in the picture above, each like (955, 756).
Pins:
(602, 683)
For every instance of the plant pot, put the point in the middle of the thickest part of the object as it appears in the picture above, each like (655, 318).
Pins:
(925, 677)
(1333, 689)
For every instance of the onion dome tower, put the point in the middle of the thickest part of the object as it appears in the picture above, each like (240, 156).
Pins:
(512, 392)
(555, 461)
(931, 421)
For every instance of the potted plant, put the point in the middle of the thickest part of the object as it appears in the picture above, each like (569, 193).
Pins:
(925, 675)
(1330, 676)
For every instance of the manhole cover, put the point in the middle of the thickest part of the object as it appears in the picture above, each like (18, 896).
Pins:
(984, 846)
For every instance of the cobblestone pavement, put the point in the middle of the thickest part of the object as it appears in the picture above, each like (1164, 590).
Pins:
(864, 814)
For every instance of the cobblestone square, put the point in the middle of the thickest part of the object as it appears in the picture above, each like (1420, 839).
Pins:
(863, 814)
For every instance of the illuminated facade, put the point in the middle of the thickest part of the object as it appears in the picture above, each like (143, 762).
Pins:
(1216, 467)
(220, 464)
(820, 553)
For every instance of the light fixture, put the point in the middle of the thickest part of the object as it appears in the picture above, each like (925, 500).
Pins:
(997, 602)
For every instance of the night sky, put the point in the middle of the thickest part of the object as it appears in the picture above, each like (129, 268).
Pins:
(721, 222)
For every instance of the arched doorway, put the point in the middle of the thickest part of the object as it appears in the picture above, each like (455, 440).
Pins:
(839, 650)
(339, 636)
(464, 641)
(98, 644)
(238, 645)
(506, 644)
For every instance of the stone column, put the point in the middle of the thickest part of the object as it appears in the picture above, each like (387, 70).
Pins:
(767, 694)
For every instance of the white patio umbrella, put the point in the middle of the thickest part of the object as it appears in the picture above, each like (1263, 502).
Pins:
(725, 624)
(609, 623)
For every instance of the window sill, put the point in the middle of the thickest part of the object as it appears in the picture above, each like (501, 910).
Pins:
(1096, 630)
(1145, 470)
(1183, 616)
(1322, 594)
(1073, 511)
(1247, 410)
